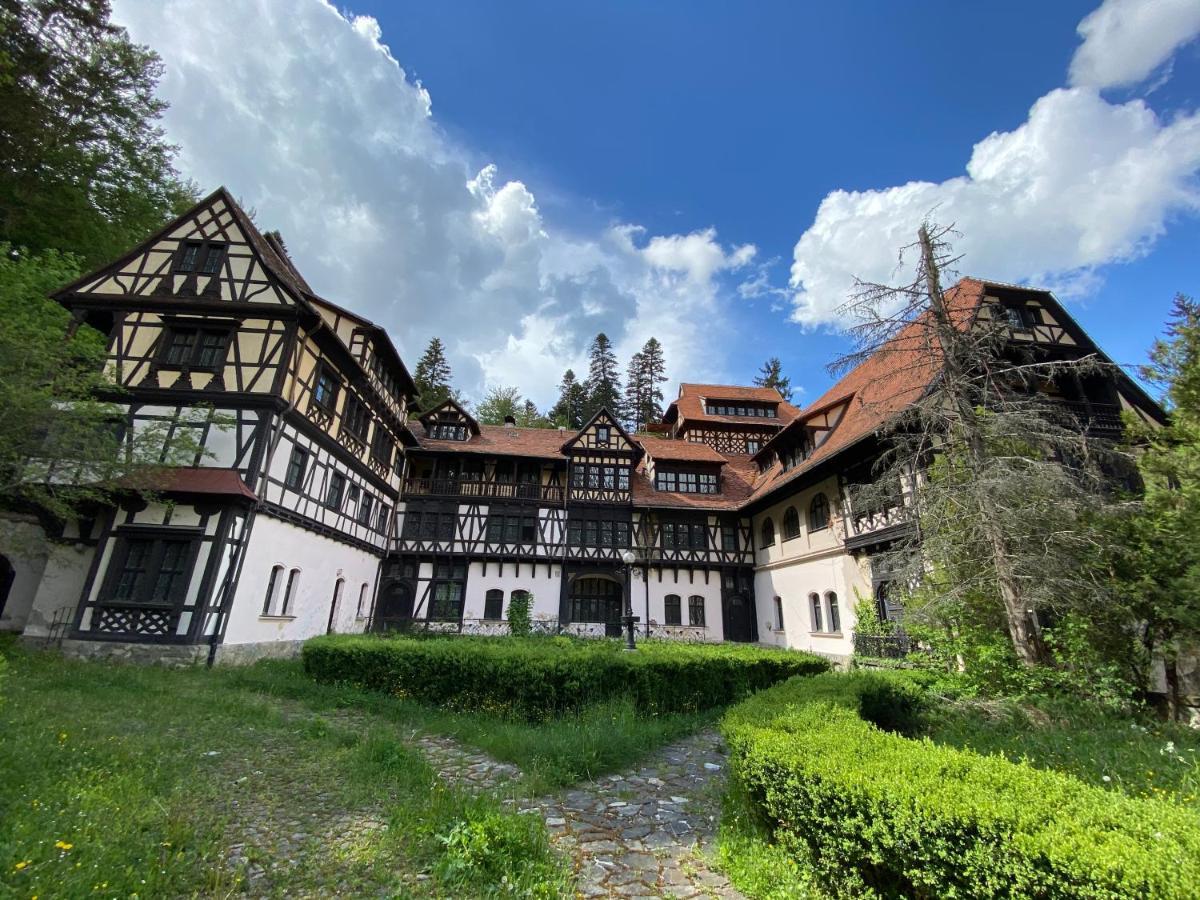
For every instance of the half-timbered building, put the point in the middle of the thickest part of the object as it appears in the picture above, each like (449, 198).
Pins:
(317, 505)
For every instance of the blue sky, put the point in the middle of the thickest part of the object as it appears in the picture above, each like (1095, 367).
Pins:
(516, 176)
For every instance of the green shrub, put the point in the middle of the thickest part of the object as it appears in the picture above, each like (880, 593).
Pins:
(519, 624)
(874, 813)
(535, 678)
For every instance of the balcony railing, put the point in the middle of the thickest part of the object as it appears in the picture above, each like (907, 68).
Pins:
(492, 490)
(1098, 419)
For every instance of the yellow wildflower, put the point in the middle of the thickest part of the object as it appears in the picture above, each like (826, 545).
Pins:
(63, 845)
(22, 864)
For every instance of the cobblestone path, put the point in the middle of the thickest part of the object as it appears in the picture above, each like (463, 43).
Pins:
(644, 834)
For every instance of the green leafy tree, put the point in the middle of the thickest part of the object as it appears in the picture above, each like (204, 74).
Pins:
(84, 167)
(772, 376)
(572, 400)
(432, 377)
(65, 444)
(1162, 565)
(604, 384)
(519, 620)
(498, 403)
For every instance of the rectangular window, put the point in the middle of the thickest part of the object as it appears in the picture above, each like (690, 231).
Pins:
(684, 536)
(355, 418)
(511, 528)
(325, 391)
(337, 487)
(673, 614)
(186, 261)
(212, 259)
(598, 533)
(202, 256)
(779, 614)
(729, 541)
(429, 525)
(493, 604)
(365, 508)
(603, 435)
(194, 348)
(150, 571)
(382, 445)
(352, 495)
(385, 513)
(295, 470)
(447, 601)
(696, 610)
(443, 431)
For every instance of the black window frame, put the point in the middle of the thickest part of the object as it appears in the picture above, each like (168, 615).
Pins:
(506, 526)
(335, 491)
(199, 257)
(604, 435)
(819, 514)
(297, 467)
(145, 585)
(382, 517)
(493, 605)
(767, 527)
(366, 506)
(324, 373)
(791, 524)
(729, 538)
(447, 431)
(447, 590)
(195, 358)
(672, 610)
(816, 613)
(382, 445)
(356, 416)
(430, 524)
(696, 617)
(833, 613)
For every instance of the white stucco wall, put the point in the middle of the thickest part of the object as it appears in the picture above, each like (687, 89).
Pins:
(61, 585)
(713, 629)
(321, 561)
(543, 585)
(24, 544)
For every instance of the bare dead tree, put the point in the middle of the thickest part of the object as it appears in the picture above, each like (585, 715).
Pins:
(1001, 482)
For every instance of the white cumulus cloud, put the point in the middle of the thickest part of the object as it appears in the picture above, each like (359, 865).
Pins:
(304, 114)
(1081, 183)
(1124, 41)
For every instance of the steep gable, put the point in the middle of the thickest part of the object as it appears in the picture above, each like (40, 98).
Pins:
(604, 434)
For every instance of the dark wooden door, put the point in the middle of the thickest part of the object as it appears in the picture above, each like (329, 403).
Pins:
(395, 608)
(739, 617)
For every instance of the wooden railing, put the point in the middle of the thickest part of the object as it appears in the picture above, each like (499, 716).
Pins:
(495, 490)
(1097, 419)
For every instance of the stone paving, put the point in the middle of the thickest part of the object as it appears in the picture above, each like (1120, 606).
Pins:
(646, 833)
(460, 766)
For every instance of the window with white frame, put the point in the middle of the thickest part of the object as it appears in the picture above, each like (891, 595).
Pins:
(362, 600)
(274, 583)
(814, 605)
(833, 618)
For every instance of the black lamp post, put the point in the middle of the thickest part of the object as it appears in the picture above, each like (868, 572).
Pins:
(629, 558)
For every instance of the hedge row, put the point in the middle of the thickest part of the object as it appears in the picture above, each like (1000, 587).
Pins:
(880, 814)
(535, 678)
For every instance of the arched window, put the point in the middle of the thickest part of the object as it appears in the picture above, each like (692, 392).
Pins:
(818, 513)
(673, 615)
(696, 610)
(272, 588)
(333, 606)
(289, 595)
(363, 600)
(768, 534)
(814, 604)
(835, 618)
(779, 614)
(791, 524)
(493, 604)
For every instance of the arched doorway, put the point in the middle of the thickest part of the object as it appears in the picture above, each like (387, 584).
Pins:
(394, 610)
(596, 599)
(739, 617)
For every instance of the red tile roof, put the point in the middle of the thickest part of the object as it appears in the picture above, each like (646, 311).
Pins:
(876, 390)
(497, 440)
(737, 482)
(683, 451)
(217, 482)
(689, 407)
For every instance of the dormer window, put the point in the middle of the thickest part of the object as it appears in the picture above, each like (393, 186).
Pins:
(200, 256)
(1020, 317)
(685, 482)
(448, 431)
(739, 408)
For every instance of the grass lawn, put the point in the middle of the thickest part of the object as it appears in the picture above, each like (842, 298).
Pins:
(134, 782)
(1138, 757)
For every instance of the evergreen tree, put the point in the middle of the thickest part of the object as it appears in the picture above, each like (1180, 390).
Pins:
(528, 416)
(84, 167)
(572, 399)
(643, 385)
(635, 393)
(432, 377)
(772, 376)
(654, 369)
(1162, 565)
(604, 385)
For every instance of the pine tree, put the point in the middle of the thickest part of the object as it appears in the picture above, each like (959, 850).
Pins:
(772, 376)
(604, 385)
(433, 377)
(528, 416)
(572, 399)
(654, 369)
(635, 393)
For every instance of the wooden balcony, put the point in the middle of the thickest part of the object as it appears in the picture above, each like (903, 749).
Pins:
(1102, 420)
(490, 490)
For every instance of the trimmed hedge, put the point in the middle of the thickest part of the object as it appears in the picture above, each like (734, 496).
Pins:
(536, 678)
(879, 814)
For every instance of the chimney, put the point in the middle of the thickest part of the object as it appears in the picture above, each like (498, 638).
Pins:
(510, 422)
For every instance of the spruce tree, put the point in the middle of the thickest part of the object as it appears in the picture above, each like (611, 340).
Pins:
(572, 399)
(604, 385)
(635, 393)
(432, 377)
(654, 369)
(772, 376)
